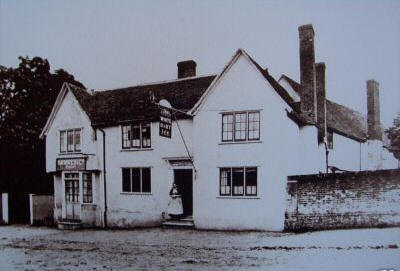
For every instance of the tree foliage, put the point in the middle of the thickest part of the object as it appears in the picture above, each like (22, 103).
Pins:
(393, 134)
(27, 95)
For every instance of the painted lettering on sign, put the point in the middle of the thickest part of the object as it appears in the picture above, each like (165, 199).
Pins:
(71, 164)
(165, 122)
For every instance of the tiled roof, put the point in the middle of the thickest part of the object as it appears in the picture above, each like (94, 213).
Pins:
(339, 118)
(296, 86)
(111, 107)
(346, 121)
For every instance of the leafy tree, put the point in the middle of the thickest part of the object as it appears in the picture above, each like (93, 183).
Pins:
(27, 95)
(393, 134)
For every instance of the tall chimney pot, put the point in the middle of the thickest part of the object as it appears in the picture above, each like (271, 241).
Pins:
(186, 69)
(307, 70)
(373, 108)
(321, 100)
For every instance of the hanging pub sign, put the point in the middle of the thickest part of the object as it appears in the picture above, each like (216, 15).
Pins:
(70, 164)
(165, 122)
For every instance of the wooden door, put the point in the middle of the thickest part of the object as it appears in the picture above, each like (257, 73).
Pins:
(183, 179)
(72, 204)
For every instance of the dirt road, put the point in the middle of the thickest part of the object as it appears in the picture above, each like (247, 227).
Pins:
(27, 248)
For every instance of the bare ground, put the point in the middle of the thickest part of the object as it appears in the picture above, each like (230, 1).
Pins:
(36, 248)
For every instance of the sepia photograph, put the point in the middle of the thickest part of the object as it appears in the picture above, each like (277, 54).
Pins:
(200, 135)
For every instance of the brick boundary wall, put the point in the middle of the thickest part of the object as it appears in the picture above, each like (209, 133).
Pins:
(343, 200)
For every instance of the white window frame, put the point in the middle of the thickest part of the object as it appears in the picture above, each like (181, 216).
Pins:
(131, 181)
(68, 179)
(244, 195)
(246, 139)
(63, 147)
(91, 186)
(131, 135)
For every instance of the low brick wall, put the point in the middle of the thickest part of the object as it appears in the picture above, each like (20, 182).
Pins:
(345, 200)
(41, 209)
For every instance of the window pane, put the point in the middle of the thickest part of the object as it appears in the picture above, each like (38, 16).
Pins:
(63, 145)
(240, 126)
(136, 136)
(68, 190)
(227, 127)
(77, 139)
(75, 190)
(87, 188)
(136, 180)
(237, 181)
(225, 182)
(146, 135)
(251, 181)
(70, 140)
(146, 180)
(126, 180)
(126, 136)
(254, 125)
(71, 175)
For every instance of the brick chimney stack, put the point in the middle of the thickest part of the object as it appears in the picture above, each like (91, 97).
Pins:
(307, 70)
(186, 69)
(373, 108)
(321, 97)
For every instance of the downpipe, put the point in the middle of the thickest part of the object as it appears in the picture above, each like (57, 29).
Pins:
(105, 177)
(326, 157)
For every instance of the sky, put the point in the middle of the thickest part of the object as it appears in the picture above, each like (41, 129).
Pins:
(109, 44)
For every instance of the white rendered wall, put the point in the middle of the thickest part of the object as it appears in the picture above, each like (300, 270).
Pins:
(375, 156)
(388, 160)
(134, 209)
(243, 88)
(57, 197)
(311, 157)
(70, 115)
(345, 153)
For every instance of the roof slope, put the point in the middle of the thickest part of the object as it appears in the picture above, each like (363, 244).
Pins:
(296, 86)
(264, 72)
(339, 118)
(346, 121)
(111, 107)
(278, 88)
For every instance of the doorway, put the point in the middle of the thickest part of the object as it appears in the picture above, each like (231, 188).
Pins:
(72, 205)
(183, 178)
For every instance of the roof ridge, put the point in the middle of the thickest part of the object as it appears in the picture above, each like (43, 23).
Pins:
(295, 82)
(73, 86)
(156, 83)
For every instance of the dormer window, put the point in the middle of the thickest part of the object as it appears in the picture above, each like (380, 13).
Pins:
(136, 136)
(241, 126)
(70, 140)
